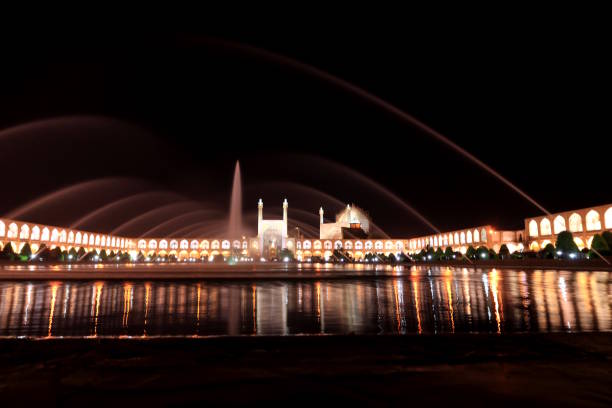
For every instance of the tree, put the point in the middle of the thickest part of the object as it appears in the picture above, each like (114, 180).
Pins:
(504, 252)
(448, 253)
(285, 254)
(26, 252)
(492, 254)
(482, 252)
(471, 252)
(80, 252)
(548, 252)
(73, 255)
(607, 236)
(56, 254)
(600, 245)
(565, 243)
(103, 255)
(439, 254)
(8, 252)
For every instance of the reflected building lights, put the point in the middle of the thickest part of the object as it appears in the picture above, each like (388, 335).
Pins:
(450, 301)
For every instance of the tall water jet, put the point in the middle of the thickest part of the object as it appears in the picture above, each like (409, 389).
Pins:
(235, 217)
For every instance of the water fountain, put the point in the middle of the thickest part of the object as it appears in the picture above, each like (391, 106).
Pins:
(235, 216)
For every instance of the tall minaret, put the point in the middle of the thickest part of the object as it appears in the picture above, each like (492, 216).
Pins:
(321, 215)
(285, 206)
(259, 217)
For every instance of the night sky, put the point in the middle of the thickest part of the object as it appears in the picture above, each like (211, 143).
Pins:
(173, 111)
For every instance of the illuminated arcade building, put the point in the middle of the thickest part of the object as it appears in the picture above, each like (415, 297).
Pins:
(349, 234)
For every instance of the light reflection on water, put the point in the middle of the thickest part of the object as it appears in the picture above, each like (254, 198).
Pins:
(418, 300)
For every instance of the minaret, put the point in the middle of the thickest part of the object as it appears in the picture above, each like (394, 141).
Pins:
(285, 206)
(321, 215)
(259, 217)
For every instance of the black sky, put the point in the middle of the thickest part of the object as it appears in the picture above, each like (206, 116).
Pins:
(530, 97)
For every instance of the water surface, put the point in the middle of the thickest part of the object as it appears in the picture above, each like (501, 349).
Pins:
(413, 301)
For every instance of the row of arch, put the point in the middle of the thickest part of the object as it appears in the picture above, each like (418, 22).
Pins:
(25, 232)
(175, 244)
(388, 245)
(574, 223)
(450, 239)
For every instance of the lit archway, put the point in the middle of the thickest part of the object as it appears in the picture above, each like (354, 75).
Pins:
(579, 242)
(545, 227)
(575, 223)
(13, 231)
(476, 236)
(24, 233)
(593, 223)
(559, 224)
(534, 246)
(533, 228)
(608, 218)
(35, 235)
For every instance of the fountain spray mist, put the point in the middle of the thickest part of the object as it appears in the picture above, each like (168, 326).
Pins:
(235, 216)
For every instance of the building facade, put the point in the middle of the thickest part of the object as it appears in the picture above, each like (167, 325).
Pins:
(272, 237)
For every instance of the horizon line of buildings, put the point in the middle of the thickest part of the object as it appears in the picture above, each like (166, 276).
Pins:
(348, 234)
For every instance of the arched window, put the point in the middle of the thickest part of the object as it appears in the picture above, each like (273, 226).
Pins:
(236, 244)
(174, 244)
(476, 236)
(122, 242)
(483, 235)
(593, 223)
(185, 244)
(348, 245)
(13, 231)
(559, 224)
(142, 244)
(378, 245)
(195, 244)
(469, 237)
(608, 218)
(205, 244)
(533, 228)
(327, 245)
(113, 241)
(71, 237)
(338, 245)
(298, 245)
(358, 245)
(399, 246)
(24, 233)
(84, 238)
(35, 233)
(457, 238)
(388, 245)
(215, 244)
(575, 223)
(368, 245)
(45, 234)
(152, 244)
(93, 239)
(545, 227)
(62, 236)
(103, 240)
(307, 245)
(245, 245)
(77, 238)
(317, 245)
(435, 241)
(462, 237)
(163, 244)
